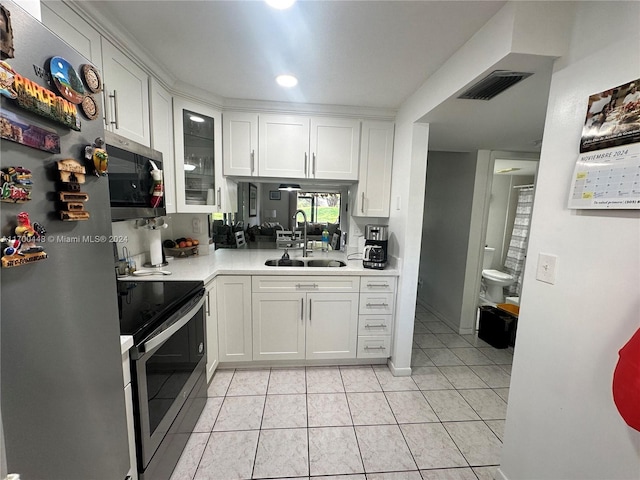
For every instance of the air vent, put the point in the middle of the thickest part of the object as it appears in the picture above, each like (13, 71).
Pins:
(493, 84)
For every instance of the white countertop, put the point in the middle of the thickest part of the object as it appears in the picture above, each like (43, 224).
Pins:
(229, 261)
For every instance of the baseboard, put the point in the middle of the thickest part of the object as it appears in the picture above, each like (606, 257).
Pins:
(500, 475)
(398, 372)
(442, 318)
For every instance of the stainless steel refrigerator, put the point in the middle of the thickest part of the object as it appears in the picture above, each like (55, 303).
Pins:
(61, 381)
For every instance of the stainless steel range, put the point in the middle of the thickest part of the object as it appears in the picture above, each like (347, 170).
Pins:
(168, 362)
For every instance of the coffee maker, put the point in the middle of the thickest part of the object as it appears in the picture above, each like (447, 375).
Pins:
(376, 239)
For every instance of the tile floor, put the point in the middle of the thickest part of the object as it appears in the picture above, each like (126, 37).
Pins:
(445, 422)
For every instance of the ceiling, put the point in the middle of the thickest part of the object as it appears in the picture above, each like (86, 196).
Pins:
(349, 53)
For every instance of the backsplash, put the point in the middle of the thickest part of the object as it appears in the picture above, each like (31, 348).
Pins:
(179, 225)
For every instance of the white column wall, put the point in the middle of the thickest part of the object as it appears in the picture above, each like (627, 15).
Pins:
(562, 422)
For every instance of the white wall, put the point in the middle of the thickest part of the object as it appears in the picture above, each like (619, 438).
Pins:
(445, 233)
(561, 421)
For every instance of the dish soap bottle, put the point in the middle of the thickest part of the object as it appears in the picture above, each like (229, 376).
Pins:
(325, 239)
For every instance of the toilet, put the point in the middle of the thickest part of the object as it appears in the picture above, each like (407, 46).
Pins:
(494, 280)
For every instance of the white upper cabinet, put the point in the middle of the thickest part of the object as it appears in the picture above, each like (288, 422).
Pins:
(334, 148)
(162, 139)
(200, 185)
(302, 147)
(376, 155)
(240, 144)
(126, 89)
(65, 23)
(283, 146)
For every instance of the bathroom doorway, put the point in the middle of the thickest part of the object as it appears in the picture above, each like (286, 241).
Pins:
(510, 203)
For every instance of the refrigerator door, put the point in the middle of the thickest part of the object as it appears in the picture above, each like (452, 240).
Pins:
(63, 407)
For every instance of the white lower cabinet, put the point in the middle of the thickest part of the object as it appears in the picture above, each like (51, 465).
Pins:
(332, 331)
(212, 328)
(233, 298)
(375, 322)
(278, 326)
(128, 404)
(302, 318)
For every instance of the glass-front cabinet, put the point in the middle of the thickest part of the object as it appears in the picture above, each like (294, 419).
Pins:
(200, 186)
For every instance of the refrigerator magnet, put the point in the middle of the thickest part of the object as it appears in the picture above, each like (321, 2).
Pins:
(22, 248)
(89, 107)
(15, 185)
(66, 80)
(98, 155)
(92, 78)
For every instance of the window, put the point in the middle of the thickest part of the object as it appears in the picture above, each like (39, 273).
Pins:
(320, 207)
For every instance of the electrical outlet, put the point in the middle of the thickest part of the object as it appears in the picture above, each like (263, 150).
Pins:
(546, 271)
(196, 225)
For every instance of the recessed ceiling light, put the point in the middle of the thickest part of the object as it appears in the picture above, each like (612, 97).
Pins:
(188, 167)
(287, 81)
(507, 170)
(280, 4)
(193, 118)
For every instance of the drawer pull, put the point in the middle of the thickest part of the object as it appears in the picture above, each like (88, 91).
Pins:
(306, 285)
(375, 348)
(380, 325)
(378, 285)
(382, 305)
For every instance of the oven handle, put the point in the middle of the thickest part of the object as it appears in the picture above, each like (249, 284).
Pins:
(165, 335)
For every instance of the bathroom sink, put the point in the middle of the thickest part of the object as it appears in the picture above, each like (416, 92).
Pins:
(325, 263)
(279, 262)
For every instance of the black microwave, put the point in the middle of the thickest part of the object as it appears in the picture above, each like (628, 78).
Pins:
(130, 180)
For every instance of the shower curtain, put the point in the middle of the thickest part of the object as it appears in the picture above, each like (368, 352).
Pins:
(517, 252)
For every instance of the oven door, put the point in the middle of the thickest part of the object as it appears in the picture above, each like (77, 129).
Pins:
(166, 367)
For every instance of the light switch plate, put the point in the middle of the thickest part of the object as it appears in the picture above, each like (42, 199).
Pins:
(546, 271)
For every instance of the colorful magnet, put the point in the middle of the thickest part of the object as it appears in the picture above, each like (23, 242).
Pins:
(15, 185)
(17, 129)
(72, 175)
(43, 102)
(6, 34)
(22, 248)
(67, 80)
(7, 74)
(92, 78)
(98, 155)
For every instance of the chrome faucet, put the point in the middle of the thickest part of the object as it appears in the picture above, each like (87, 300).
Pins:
(304, 217)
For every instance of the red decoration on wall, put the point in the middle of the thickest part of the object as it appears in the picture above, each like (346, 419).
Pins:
(626, 382)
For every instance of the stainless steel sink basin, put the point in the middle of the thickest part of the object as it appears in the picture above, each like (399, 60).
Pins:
(324, 262)
(278, 262)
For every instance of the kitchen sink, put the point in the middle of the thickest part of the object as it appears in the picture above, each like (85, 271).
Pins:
(325, 262)
(279, 262)
(316, 262)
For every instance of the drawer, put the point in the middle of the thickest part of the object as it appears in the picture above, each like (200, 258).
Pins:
(377, 284)
(374, 347)
(375, 324)
(289, 283)
(376, 303)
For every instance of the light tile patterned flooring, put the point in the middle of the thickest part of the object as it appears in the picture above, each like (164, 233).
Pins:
(445, 422)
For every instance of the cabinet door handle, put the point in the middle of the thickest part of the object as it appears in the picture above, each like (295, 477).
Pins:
(253, 157)
(313, 165)
(306, 285)
(208, 304)
(219, 197)
(374, 348)
(302, 309)
(309, 310)
(383, 305)
(375, 285)
(362, 204)
(115, 109)
(380, 325)
(305, 164)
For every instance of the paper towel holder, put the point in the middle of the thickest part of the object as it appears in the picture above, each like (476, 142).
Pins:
(154, 224)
